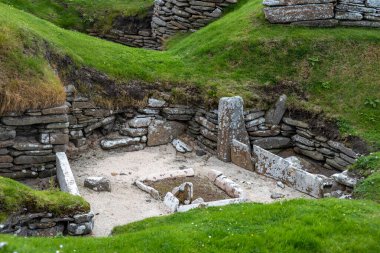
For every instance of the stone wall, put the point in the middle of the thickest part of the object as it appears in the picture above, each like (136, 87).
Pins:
(48, 224)
(324, 13)
(173, 16)
(167, 18)
(132, 31)
(29, 141)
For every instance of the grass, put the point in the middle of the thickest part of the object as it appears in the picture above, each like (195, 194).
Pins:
(328, 225)
(15, 196)
(369, 167)
(241, 54)
(82, 14)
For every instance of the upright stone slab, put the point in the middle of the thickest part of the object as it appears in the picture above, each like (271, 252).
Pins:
(241, 155)
(231, 126)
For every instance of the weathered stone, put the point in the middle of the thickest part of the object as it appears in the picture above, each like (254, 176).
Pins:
(295, 2)
(273, 131)
(205, 123)
(7, 134)
(312, 154)
(209, 134)
(254, 115)
(140, 122)
(163, 132)
(231, 126)
(288, 14)
(64, 109)
(373, 3)
(171, 202)
(212, 175)
(64, 175)
(339, 146)
(295, 123)
(254, 123)
(32, 120)
(134, 132)
(230, 187)
(118, 142)
(6, 159)
(153, 192)
(345, 179)
(184, 193)
(303, 140)
(278, 168)
(180, 146)
(98, 184)
(274, 115)
(83, 217)
(80, 229)
(273, 142)
(241, 155)
(33, 159)
(156, 103)
(277, 196)
(56, 138)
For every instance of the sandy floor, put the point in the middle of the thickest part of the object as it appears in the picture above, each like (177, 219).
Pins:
(126, 203)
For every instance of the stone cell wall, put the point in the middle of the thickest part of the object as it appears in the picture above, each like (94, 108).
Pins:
(48, 224)
(324, 13)
(29, 141)
(173, 16)
(132, 31)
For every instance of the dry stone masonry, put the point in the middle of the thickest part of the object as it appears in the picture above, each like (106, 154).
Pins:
(165, 19)
(324, 13)
(173, 16)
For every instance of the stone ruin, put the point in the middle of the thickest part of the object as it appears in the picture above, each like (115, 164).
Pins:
(324, 13)
(180, 199)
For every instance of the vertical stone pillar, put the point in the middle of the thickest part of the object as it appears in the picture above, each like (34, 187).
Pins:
(231, 126)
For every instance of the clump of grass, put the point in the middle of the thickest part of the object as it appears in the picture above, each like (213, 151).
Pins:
(15, 197)
(369, 168)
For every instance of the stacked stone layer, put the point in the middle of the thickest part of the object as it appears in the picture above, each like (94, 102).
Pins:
(48, 224)
(327, 13)
(173, 16)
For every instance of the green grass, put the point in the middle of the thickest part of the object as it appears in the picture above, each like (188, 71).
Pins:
(369, 167)
(241, 54)
(82, 14)
(328, 225)
(15, 196)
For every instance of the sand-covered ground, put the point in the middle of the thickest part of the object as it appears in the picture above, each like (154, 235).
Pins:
(126, 203)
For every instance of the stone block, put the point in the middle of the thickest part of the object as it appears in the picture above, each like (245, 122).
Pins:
(274, 115)
(65, 176)
(241, 155)
(163, 132)
(289, 14)
(231, 126)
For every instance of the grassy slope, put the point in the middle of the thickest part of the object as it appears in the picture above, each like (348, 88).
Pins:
(328, 225)
(82, 14)
(15, 196)
(240, 54)
(369, 167)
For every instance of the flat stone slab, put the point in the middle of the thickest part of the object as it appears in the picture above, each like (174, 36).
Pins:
(289, 14)
(65, 175)
(119, 142)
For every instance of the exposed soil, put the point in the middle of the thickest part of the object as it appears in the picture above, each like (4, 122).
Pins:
(202, 187)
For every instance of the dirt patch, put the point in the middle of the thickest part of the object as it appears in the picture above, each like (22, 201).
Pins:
(202, 187)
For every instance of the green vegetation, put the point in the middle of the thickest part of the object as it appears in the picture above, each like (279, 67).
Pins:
(15, 196)
(82, 14)
(336, 70)
(291, 226)
(369, 167)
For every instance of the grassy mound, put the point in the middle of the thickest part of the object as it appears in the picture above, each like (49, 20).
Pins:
(327, 225)
(82, 14)
(334, 71)
(15, 196)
